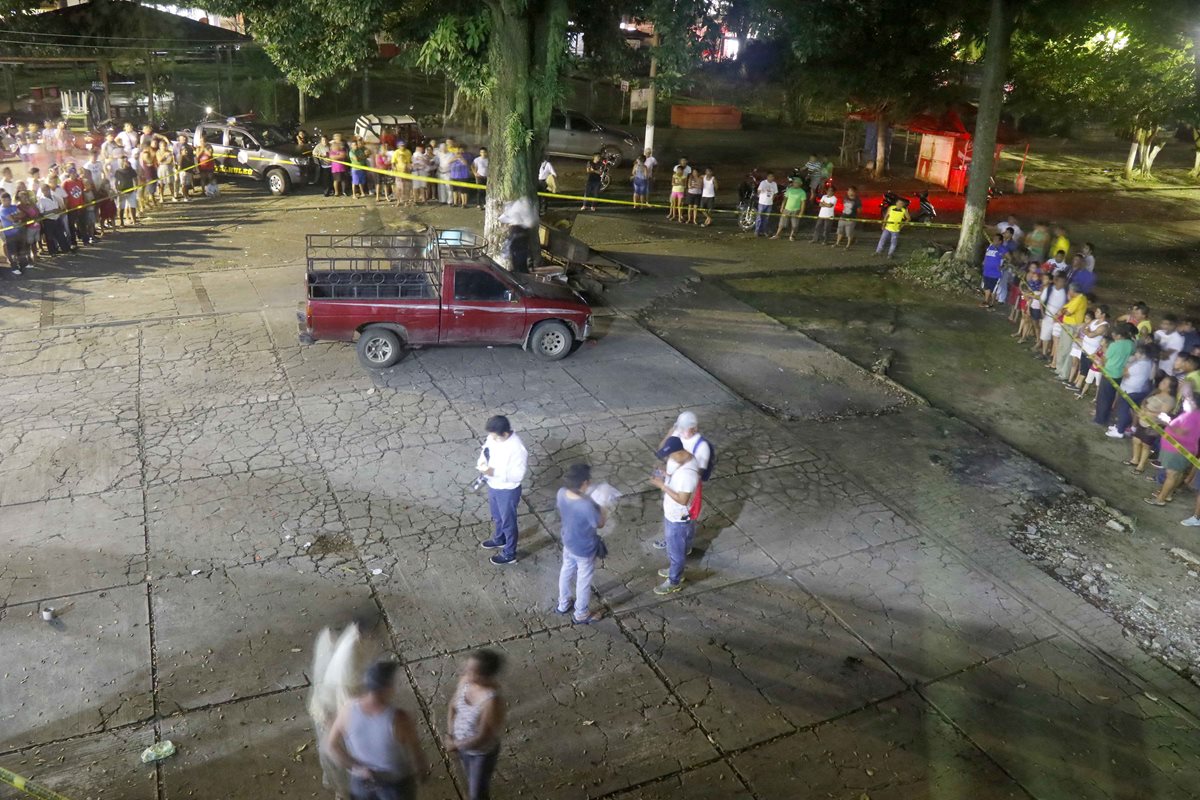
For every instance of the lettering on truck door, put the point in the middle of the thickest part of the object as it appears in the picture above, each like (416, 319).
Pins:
(482, 308)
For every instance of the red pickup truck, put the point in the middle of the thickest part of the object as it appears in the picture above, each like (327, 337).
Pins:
(392, 292)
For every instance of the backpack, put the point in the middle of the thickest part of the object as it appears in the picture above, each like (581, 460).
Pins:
(707, 472)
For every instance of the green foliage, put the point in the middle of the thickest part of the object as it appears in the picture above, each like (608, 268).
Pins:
(893, 58)
(457, 48)
(1131, 81)
(312, 41)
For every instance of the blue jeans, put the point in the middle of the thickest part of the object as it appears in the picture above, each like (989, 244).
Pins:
(577, 569)
(890, 240)
(1106, 393)
(478, 768)
(1125, 411)
(503, 505)
(371, 790)
(678, 536)
(763, 219)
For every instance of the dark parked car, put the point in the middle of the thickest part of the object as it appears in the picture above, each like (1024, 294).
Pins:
(256, 151)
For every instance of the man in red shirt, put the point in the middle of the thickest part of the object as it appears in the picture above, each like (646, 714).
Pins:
(387, 139)
(73, 186)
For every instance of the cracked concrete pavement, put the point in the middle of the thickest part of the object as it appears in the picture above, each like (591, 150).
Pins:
(198, 495)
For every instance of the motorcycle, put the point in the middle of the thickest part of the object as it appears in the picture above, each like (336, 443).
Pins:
(926, 212)
(747, 207)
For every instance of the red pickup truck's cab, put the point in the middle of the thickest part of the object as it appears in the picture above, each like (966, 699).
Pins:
(396, 291)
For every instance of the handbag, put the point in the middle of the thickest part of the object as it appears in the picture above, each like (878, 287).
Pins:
(601, 548)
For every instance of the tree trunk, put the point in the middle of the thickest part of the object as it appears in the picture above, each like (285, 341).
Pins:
(526, 53)
(987, 123)
(1131, 161)
(1196, 164)
(1148, 161)
(453, 112)
(302, 107)
(881, 145)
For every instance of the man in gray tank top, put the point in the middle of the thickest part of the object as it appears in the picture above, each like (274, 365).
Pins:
(377, 742)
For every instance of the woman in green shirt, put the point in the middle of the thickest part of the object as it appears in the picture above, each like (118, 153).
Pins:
(1112, 369)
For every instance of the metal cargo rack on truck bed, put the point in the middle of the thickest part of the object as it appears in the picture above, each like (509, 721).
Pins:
(373, 266)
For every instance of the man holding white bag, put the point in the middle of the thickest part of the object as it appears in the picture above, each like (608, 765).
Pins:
(582, 545)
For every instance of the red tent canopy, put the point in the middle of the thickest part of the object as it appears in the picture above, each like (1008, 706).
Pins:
(957, 122)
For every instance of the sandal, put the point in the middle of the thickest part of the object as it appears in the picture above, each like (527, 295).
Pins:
(1136, 471)
(1129, 463)
(1154, 501)
(590, 618)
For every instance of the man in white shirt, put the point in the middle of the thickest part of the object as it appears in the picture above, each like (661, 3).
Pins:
(54, 227)
(8, 186)
(1089, 256)
(1058, 265)
(1011, 222)
(503, 462)
(128, 138)
(767, 189)
(678, 483)
(479, 168)
(686, 431)
(443, 155)
(1054, 297)
(825, 209)
(649, 162)
(1170, 340)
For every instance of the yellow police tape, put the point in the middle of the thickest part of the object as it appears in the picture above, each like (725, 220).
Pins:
(581, 199)
(28, 787)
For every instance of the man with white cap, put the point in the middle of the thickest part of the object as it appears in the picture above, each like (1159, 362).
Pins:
(678, 482)
(687, 430)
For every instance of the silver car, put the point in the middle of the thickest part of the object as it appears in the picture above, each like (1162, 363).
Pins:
(576, 135)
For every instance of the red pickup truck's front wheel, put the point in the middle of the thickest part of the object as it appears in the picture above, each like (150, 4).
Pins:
(379, 348)
(551, 340)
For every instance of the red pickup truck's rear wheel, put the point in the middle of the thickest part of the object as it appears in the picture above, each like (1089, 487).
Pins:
(551, 341)
(379, 348)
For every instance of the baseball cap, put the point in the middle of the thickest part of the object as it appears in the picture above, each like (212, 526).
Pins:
(687, 420)
(673, 444)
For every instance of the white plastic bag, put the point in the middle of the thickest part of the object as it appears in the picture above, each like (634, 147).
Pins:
(606, 496)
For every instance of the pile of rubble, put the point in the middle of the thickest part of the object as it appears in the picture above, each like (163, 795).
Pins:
(933, 267)
(1068, 540)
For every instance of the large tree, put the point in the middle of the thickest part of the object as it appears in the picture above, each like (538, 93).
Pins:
(512, 58)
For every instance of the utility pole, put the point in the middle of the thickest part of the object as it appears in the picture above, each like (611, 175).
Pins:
(303, 113)
(649, 143)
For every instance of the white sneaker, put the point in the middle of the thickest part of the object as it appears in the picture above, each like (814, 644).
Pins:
(1113, 433)
(16, 272)
(1191, 522)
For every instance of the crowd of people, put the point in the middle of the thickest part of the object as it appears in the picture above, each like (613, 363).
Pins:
(357, 168)
(1144, 377)
(61, 201)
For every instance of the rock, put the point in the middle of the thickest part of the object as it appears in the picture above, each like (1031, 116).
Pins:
(1113, 525)
(1148, 603)
(1185, 555)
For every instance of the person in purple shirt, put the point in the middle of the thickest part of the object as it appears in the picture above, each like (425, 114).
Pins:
(993, 260)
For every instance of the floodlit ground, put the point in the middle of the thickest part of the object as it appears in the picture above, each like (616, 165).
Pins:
(198, 494)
